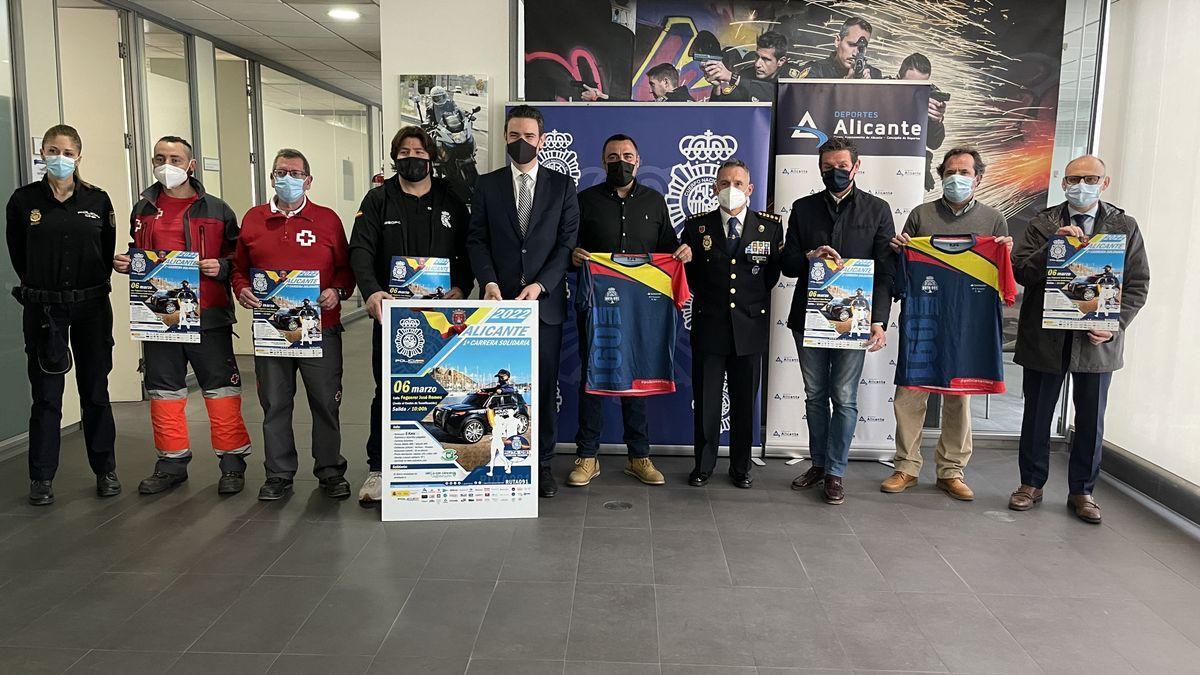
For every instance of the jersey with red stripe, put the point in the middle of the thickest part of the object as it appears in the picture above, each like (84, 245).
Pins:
(630, 304)
(950, 321)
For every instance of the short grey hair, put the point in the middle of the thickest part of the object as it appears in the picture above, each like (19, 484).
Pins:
(291, 153)
(963, 150)
(734, 163)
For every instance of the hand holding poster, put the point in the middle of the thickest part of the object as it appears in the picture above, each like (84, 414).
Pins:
(419, 277)
(460, 378)
(838, 315)
(288, 323)
(164, 295)
(1083, 283)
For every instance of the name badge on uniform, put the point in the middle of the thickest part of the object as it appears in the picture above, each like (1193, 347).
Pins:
(707, 243)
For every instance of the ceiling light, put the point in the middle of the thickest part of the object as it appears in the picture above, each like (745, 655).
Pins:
(343, 14)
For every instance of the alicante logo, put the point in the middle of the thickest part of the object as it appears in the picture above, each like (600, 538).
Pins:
(806, 128)
(611, 296)
(259, 283)
(818, 272)
(138, 264)
(1058, 250)
(689, 191)
(556, 153)
(399, 271)
(410, 341)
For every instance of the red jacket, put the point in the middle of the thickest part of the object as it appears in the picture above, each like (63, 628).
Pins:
(310, 240)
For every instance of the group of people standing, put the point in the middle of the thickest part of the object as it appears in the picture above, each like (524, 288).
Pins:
(525, 230)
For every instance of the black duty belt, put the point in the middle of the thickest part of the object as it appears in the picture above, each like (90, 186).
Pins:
(43, 297)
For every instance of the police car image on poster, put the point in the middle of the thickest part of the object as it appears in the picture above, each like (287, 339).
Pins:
(419, 277)
(164, 295)
(1083, 283)
(838, 314)
(460, 378)
(289, 321)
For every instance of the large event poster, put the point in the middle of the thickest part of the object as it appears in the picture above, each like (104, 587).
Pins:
(288, 323)
(887, 121)
(164, 295)
(1083, 283)
(460, 381)
(681, 147)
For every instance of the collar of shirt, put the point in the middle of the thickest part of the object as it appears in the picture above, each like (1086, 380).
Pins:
(970, 205)
(288, 214)
(725, 216)
(516, 177)
(1093, 212)
(837, 201)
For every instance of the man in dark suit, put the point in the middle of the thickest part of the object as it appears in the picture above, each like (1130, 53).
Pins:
(735, 265)
(524, 220)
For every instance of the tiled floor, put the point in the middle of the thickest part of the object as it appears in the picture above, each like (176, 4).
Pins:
(714, 580)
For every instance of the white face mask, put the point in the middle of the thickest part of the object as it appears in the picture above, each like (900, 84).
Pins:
(731, 199)
(170, 176)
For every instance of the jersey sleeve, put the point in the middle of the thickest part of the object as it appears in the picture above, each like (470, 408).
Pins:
(584, 288)
(1007, 282)
(679, 285)
(900, 281)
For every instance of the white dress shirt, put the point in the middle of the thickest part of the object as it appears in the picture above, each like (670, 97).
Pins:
(1089, 225)
(725, 216)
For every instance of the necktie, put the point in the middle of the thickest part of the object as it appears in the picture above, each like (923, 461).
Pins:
(1084, 222)
(525, 203)
(734, 235)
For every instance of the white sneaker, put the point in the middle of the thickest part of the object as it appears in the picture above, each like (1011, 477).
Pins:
(372, 489)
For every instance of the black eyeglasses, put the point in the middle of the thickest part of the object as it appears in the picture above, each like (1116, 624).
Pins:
(1090, 180)
(280, 173)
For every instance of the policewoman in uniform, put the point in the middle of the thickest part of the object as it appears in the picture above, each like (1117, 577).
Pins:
(735, 265)
(61, 237)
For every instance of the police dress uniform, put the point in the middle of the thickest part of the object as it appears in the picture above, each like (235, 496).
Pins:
(731, 282)
(62, 253)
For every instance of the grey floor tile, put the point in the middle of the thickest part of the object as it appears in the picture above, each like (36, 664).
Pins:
(324, 549)
(965, 635)
(681, 509)
(605, 668)
(745, 511)
(568, 509)
(37, 660)
(470, 550)
(1059, 633)
(685, 669)
(98, 662)
(250, 550)
(198, 663)
(1182, 557)
(877, 633)
(798, 516)
(418, 665)
(701, 626)
(176, 617)
(541, 609)
(514, 667)
(28, 595)
(1144, 639)
(912, 564)
(266, 615)
(616, 555)
(613, 622)
(398, 550)
(542, 553)
(176, 549)
(763, 559)
(600, 515)
(788, 627)
(440, 619)
(688, 559)
(310, 664)
(353, 618)
(838, 562)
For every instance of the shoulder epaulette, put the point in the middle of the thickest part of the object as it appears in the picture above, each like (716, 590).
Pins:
(767, 215)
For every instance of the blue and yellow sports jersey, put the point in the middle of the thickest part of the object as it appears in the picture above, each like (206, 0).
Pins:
(950, 337)
(631, 304)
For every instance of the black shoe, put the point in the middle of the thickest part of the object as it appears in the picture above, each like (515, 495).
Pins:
(231, 483)
(336, 487)
(159, 481)
(274, 488)
(40, 493)
(546, 486)
(698, 479)
(107, 485)
(743, 481)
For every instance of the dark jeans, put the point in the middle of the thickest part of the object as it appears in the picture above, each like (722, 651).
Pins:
(87, 326)
(709, 375)
(591, 414)
(831, 402)
(374, 435)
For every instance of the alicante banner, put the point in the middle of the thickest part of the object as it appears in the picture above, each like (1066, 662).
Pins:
(460, 381)
(681, 148)
(886, 119)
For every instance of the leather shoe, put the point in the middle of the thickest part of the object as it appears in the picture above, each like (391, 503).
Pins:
(956, 488)
(546, 486)
(275, 488)
(336, 487)
(1024, 498)
(897, 482)
(809, 478)
(107, 485)
(160, 481)
(40, 493)
(743, 481)
(231, 483)
(698, 479)
(834, 494)
(1085, 508)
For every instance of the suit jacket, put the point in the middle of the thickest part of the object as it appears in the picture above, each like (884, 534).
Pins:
(500, 255)
(731, 295)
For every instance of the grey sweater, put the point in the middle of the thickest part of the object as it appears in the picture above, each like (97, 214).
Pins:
(936, 218)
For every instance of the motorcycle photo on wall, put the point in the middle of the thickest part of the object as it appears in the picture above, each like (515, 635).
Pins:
(454, 110)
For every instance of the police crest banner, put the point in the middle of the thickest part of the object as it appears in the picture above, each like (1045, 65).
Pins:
(886, 119)
(681, 147)
(460, 381)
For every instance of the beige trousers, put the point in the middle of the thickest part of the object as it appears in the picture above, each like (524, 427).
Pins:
(953, 448)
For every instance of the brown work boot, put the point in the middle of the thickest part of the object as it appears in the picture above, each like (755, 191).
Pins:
(897, 482)
(643, 469)
(809, 478)
(1024, 498)
(833, 490)
(955, 487)
(1085, 508)
(586, 468)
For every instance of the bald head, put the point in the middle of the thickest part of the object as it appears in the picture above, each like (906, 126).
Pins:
(1086, 165)
(1083, 180)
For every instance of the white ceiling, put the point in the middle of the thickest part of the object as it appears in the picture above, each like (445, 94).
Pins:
(294, 33)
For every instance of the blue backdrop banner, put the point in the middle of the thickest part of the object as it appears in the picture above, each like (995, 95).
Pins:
(681, 147)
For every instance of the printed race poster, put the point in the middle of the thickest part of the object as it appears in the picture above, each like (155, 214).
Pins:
(419, 277)
(460, 377)
(289, 321)
(838, 314)
(1083, 283)
(164, 295)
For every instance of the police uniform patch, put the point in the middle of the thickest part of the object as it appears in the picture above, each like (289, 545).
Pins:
(701, 229)
(761, 228)
(35, 216)
(707, 242)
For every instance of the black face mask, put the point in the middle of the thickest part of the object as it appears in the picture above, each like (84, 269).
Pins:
(521, 151)
(619, 173)
(412, 169)
(836, 180)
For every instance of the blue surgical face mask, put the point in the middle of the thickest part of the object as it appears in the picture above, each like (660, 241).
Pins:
(289, 190)
(958, 188)
(60, 166)
(1081, 194)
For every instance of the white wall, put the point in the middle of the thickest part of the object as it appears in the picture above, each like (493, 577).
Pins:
(1149, 140)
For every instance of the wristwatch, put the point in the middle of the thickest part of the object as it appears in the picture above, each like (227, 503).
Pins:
(734, 79)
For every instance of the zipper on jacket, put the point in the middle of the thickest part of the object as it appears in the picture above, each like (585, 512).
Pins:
(202, 256)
